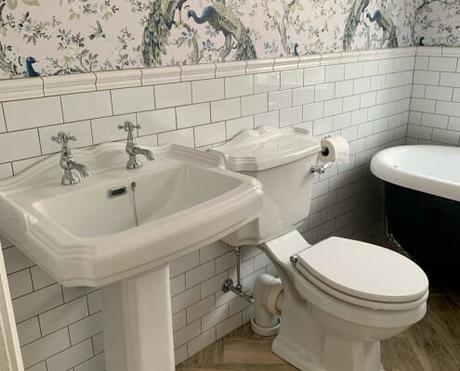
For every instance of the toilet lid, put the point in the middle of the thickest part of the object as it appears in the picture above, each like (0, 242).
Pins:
(364, 271)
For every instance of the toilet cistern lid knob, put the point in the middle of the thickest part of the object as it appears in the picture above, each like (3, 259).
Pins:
(294, 259)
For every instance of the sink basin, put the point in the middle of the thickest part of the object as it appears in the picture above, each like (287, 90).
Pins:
(83, 237)
(158, 195)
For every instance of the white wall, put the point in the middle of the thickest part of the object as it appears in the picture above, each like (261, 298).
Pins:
(364, 96)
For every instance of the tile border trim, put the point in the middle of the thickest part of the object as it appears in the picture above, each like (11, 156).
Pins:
(25, 88)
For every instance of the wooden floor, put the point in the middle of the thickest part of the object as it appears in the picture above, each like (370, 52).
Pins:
(431, 345)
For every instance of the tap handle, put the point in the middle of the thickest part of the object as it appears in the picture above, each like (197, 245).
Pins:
(63, 137)
(129, 126)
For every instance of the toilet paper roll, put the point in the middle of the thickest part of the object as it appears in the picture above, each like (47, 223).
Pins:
(334, 149)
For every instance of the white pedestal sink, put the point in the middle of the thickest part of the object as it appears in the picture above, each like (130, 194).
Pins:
(119, 229)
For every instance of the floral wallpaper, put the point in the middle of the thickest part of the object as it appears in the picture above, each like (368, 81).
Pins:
(438, 22)
(50, 37)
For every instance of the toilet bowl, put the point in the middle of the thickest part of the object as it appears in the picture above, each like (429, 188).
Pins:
(336, 299)
(328, 329)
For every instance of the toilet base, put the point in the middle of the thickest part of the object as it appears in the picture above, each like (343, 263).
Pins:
(313, 340)
(294, 355)
(297, 357)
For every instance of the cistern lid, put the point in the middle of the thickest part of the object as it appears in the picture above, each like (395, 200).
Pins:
(266, 147)
(364, 271)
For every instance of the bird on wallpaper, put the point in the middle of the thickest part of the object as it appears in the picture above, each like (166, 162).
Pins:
(222, 19)
(157, 29)
(421, 41)
(353, 20)
(30, 68)
(296, 49)
(98, 32)
(387, 26)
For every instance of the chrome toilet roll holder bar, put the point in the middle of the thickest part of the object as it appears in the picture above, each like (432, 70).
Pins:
(321, 169)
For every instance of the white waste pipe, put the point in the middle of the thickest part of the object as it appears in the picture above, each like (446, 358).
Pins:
(268, 300)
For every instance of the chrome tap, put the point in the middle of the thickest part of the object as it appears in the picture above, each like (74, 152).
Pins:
(72, 169)
(131, 149)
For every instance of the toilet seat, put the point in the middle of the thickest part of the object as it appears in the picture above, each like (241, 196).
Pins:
(363, 274)
(303, 275)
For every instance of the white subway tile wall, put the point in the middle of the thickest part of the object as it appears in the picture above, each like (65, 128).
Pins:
(84, 106)
(193, 115)
(208, 90)
(32, 113)
(171, 95)
(435, 107)
(253, 104)
(365, 98)
(132, 100)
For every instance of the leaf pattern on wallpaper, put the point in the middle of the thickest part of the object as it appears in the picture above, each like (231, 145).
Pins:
(282, 21)
(12, 4)
(438, 22)
(74, 36)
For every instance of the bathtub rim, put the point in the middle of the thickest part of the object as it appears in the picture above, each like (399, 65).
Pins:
(383, 169)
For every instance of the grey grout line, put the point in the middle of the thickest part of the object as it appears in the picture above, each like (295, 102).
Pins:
(4, 117)
(111, 103)
(40, 142)
(91, 131)
(154, 98)
(62, 109)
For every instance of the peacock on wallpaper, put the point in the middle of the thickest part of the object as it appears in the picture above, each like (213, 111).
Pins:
(50, 37)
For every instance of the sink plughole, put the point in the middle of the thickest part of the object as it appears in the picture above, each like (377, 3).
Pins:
(82, 237)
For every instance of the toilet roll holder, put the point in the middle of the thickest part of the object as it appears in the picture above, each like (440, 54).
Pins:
(321, 169)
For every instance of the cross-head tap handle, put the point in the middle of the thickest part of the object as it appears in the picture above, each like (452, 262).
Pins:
(129, 126)
(63, 137)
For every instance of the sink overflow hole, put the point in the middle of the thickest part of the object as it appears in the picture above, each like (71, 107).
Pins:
(117, 191)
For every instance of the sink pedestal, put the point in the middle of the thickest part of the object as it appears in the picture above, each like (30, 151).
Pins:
(138, 333)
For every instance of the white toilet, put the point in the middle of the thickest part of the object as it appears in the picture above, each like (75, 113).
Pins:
(338, 298)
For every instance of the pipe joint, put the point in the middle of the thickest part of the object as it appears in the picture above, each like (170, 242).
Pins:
(268, 296)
